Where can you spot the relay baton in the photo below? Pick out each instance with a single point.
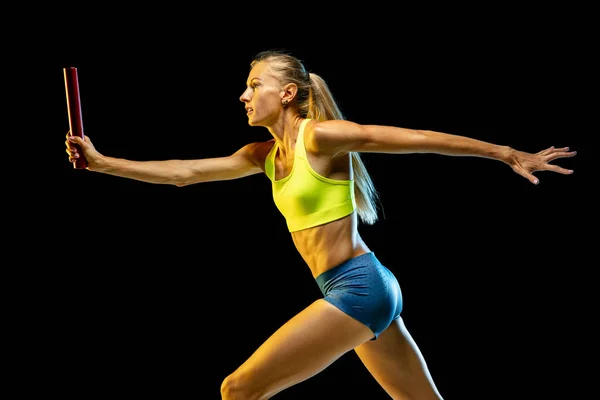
(74, 112)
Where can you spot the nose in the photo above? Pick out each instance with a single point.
(245, 97)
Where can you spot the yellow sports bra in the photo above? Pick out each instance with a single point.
(304, 197)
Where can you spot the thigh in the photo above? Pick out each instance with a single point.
(301, 348)
(364, 289)
(397, 364)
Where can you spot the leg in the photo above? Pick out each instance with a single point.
(397, 364)
(302, 347)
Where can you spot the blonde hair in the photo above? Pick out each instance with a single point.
(314, 100)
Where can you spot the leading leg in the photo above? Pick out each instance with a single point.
(302, 347)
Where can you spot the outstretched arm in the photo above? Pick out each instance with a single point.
(171, 172)
(337, 136)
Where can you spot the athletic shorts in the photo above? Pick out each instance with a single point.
(365, 290)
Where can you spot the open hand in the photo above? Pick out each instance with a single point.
(525, 164)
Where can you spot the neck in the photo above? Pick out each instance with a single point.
(285, 131)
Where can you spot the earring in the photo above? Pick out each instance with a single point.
(284, 103)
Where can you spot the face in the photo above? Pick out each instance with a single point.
(262, 97)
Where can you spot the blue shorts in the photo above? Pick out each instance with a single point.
(365, 290)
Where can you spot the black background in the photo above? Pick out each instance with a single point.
(147, 291)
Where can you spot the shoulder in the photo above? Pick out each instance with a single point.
(331, 135)
(256, 151)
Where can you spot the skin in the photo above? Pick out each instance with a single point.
(320, 334)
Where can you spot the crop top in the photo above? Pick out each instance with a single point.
(305, 198)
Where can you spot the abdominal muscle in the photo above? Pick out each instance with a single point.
(326, 246)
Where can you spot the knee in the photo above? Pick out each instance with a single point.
(236, 387)
(228, 389)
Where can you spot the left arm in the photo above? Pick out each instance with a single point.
(339, 136)
(346, 136)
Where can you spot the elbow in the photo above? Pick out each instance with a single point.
(180, 179)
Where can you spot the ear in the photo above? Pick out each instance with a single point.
(288, 92)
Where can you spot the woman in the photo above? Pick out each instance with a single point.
(323, 190)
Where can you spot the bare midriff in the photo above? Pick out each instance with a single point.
(326, 246)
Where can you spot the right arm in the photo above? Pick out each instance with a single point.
(170, 172)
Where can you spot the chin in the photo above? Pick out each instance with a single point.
(251, 122)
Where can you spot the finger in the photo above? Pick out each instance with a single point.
(527, 175)
(560, 170)
(531, 178)
(74, 139)
(73, 153)
(562, 154)
(560, 149)
(546, 151)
